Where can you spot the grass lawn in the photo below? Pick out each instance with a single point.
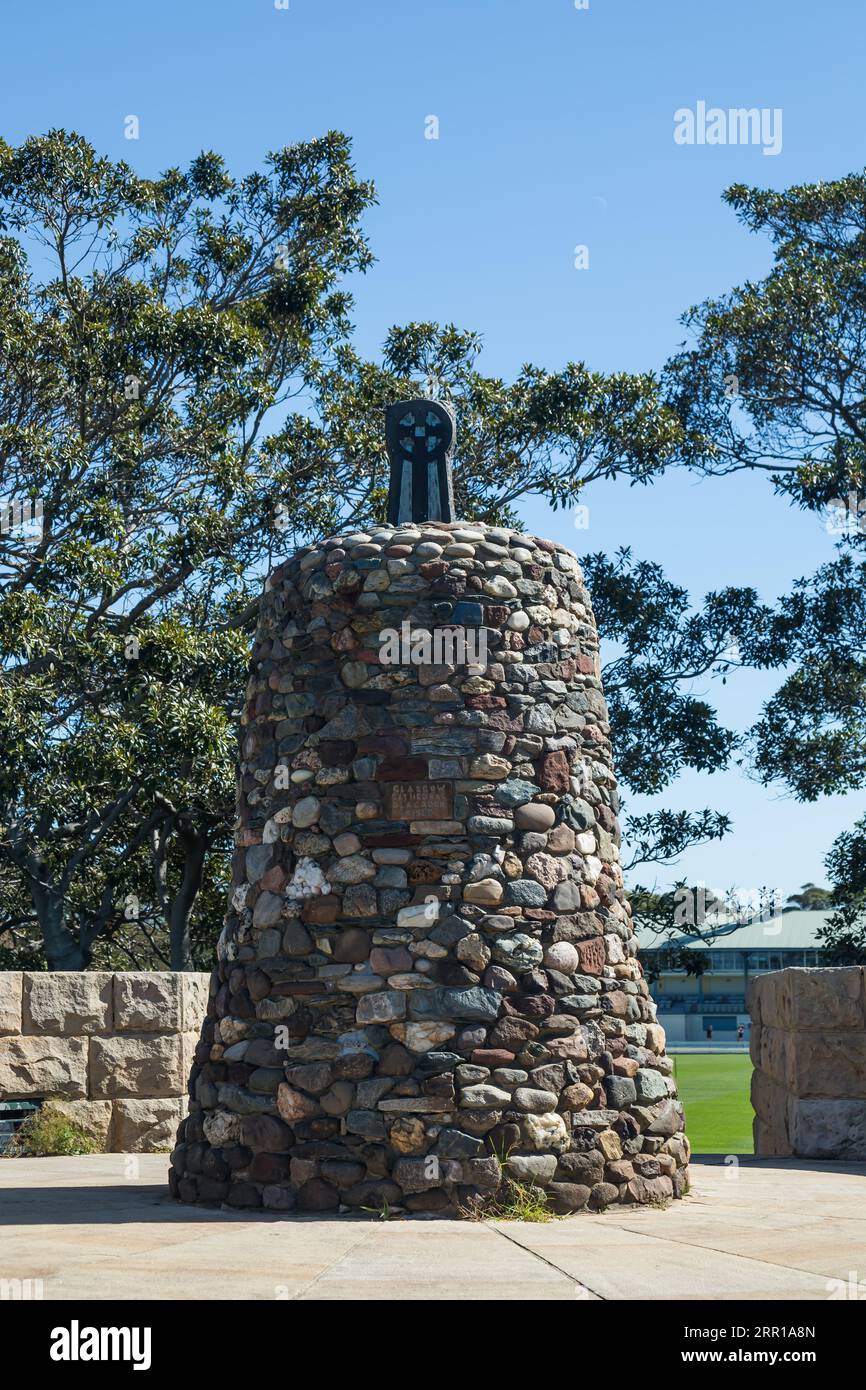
(714, 1088)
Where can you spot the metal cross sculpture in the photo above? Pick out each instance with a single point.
(420, 439)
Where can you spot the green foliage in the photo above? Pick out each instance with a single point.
(777, 378)
(519, 1201)
(810, 898)
(662, 914)
(774, 380)
(147, 330)
(664, 645)
(179, 393)
(661, 645)
(513, 1201)
(48, 1133)
(844, 933)
(550, 433)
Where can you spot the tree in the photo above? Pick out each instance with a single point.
(548, 433)
(774, 380)
(810, 898)
(663, 645)
(844, 932)
(148, 328)
(679, 914)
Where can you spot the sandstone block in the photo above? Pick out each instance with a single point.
(810, 999)
(134, 1066)
(831, 1066)
(834, 1129)
(145, 1126)
(195, 988)
(767, 999)
(91, 1116)
(774, 1054)
(148, 1002)
(11, 999)
(825, 999)
(42, 1066)
(771, 1117)
(755, 997)
(67, 1002)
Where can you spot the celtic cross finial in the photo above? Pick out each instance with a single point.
(420, 436)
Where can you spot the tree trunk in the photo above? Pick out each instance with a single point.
(62, 951)
(195, 847)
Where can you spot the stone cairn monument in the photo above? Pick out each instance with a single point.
(427, 985)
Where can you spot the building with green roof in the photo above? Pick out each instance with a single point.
(689, 1004)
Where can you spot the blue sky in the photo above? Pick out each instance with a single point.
(555, 129)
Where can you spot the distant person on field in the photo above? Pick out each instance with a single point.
(741, 1033)
(710, 1033)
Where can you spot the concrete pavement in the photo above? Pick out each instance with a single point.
(101, 1226)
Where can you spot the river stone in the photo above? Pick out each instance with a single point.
(545, 1132)
(519, 952)
(515, 792)
(483, 1097)
(566, 1197)
(421, 1037)
(258, 861)
(453, 1143)
(460, 1004)
(525, 892)
(535, 1169)
(294, 1106)
(650, 1085)
(534, 815)
(487, 892)
(305, 812)
(562, 956)
(546, 869)
(535, 1102)
(354, 868)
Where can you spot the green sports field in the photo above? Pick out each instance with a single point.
(714, 1088)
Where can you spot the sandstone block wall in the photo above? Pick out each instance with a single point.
(808, 1045)
(112, 1048)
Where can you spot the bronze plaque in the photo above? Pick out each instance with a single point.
(419, 800)
(591, 954)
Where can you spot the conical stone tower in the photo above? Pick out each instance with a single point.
(428, 981)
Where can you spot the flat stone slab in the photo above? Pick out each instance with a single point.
(101, 1226)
